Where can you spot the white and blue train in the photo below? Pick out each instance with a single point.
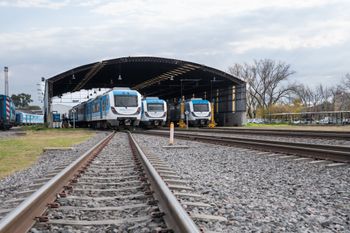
(114, 109)
(23, 118)
(197, 110)
(7, 112)
(154, 112)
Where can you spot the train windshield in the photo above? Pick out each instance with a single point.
(200, 107)
(125, 100)
(154, 107)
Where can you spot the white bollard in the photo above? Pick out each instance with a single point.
(171, 140)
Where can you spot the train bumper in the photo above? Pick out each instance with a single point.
(200, 122)
(153, 123)
(128, 121)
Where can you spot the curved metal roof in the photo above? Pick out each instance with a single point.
(152, 76)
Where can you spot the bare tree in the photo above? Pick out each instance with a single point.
(339, 98)
(303, 93)
(343, 94)
(265, 79)
(346, 81)
(321, 98)
(324, 95)
(244, 72)
(313, 99)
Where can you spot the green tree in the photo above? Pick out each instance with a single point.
(33, 107)
(21, 100)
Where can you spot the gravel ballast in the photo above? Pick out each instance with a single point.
(75, 207)
(293, 139)
(257, 193)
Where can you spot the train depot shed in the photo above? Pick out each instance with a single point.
(166, 78)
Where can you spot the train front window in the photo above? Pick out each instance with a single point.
(153, 107)
(125, 100)
(200, 107)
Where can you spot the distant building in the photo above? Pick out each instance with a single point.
(62, 104)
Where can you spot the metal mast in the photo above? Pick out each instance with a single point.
(6, 69)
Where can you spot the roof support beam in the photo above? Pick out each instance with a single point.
(172, 73)
(94, 70)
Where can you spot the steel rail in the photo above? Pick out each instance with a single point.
(339, 135)
(23, 217)
(328, 152)
(175, 215)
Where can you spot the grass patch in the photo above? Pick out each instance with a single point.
(299, 127)
(18, 153)
(271, 124)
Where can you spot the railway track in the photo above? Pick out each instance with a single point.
(339, 135)
(316, 151)
(112, 187)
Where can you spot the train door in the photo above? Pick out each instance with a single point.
(89, 111)
(103, 106)
(100, 104)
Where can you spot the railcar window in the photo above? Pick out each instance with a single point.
(96, 107)
(125, 101)
(153, 107)
(200, 107)
(103, 105)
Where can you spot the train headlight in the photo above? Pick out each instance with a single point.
(113, 110)
(138, 110)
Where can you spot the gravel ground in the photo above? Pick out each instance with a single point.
(279, 138)
(259, 193)
(49, 160)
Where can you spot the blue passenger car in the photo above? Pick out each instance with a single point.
(116, 108)
(23, 118)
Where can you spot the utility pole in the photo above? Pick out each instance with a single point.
(6, 70)
(41, 90)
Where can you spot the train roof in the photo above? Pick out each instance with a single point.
(198, 101)
(153, 100)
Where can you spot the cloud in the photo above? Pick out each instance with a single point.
(184, 11)
(35, 3)
(312, 35)
(216, 34)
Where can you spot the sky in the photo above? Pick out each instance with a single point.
(42, 38)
